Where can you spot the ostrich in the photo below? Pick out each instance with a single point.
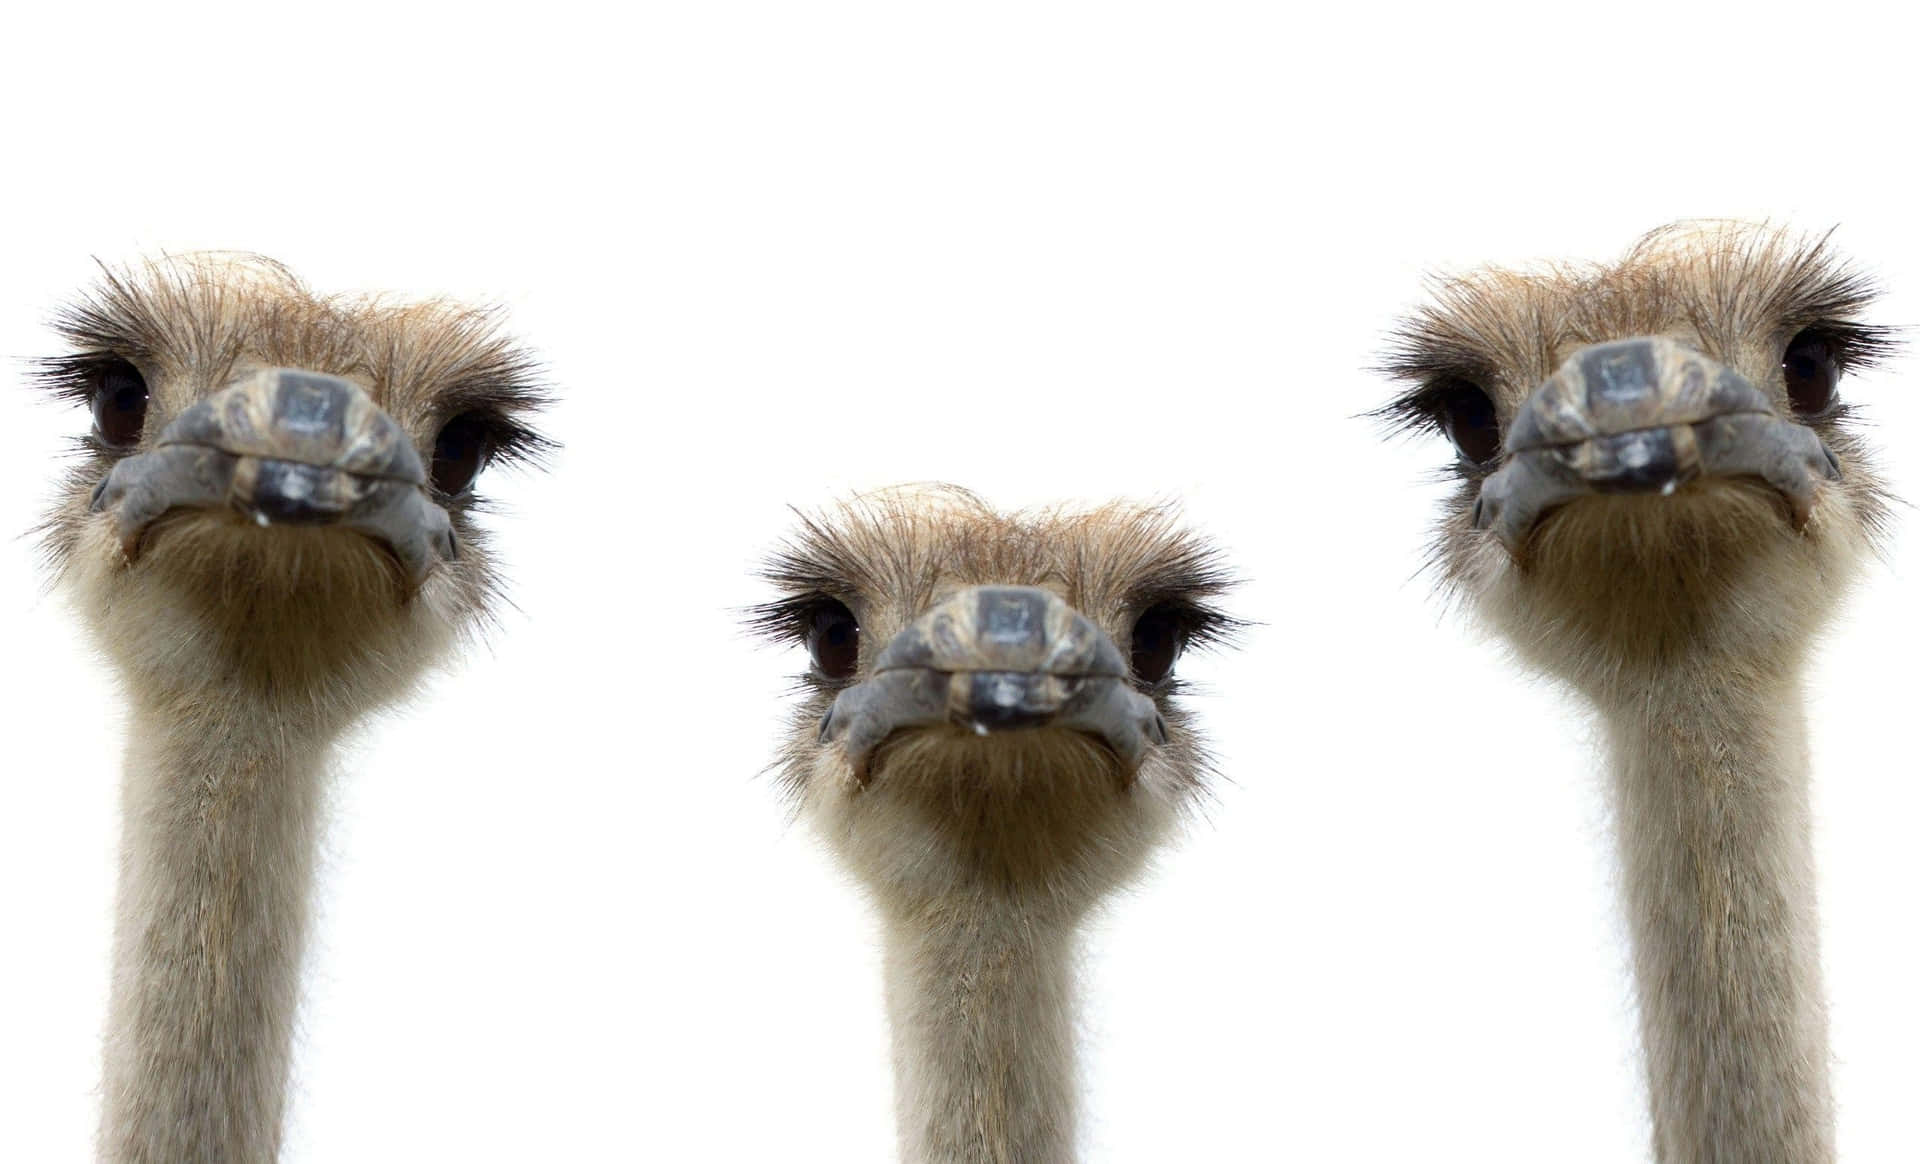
(978, 751)
(1661, 499)
(269, 534)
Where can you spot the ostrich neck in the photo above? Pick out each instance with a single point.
(1711, 779)
(219, 806)
(980, 997)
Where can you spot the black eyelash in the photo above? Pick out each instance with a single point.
(1200, 625)
(1436, 364)
(785, 621)
(495, 398)
(74, 378)
(1856, 346)
(1423, 408)
(508, 441)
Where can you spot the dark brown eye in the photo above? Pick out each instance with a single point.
(1158, 636)
(460, 452)
(1467, 415)
(833, 639)
(120, 405)
(1811, 371)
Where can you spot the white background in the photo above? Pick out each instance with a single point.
(774, 254)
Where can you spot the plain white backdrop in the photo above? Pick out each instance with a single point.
(773, 254)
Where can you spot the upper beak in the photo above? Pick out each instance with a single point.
(1644, 415)
(291, 447)
(996, 658)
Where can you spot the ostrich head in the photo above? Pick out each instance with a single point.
(278, 489)
(992, 705)
(1655, 463)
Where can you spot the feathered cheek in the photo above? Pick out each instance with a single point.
(91, 562)
(451, 596)
(829, 773)
(1170, 775)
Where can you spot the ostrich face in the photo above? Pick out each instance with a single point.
(1654, 463)
(992, 702)
(277, 491)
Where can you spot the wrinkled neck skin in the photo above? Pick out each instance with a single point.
(1710, 785)
(220, 810)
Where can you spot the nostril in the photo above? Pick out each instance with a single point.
(296, 494)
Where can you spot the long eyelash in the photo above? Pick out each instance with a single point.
(784, 621)
(1857, 346)
(514, 443)
(496, 398)
(1436, 366)
(1201, 626)
(1421, 412)
(1421, 409)
(73, 378)
(508, 441)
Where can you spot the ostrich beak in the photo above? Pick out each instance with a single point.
(289, 447)
(1644, 415)
(993, 659)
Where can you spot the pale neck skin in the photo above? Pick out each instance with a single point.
(980, 1002)
(1710, 775)
(220, 812)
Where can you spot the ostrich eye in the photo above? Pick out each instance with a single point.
(120, 405)
(1467, 415)
(1811, 373)
(460, 452)
(1157, 639)
(833, 639)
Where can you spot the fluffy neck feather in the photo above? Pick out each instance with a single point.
(220, 810)
(1710, 775)
(983, 855)
(980, 998)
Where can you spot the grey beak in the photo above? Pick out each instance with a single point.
(993, 659)
(290, 447)
(1644, 415)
